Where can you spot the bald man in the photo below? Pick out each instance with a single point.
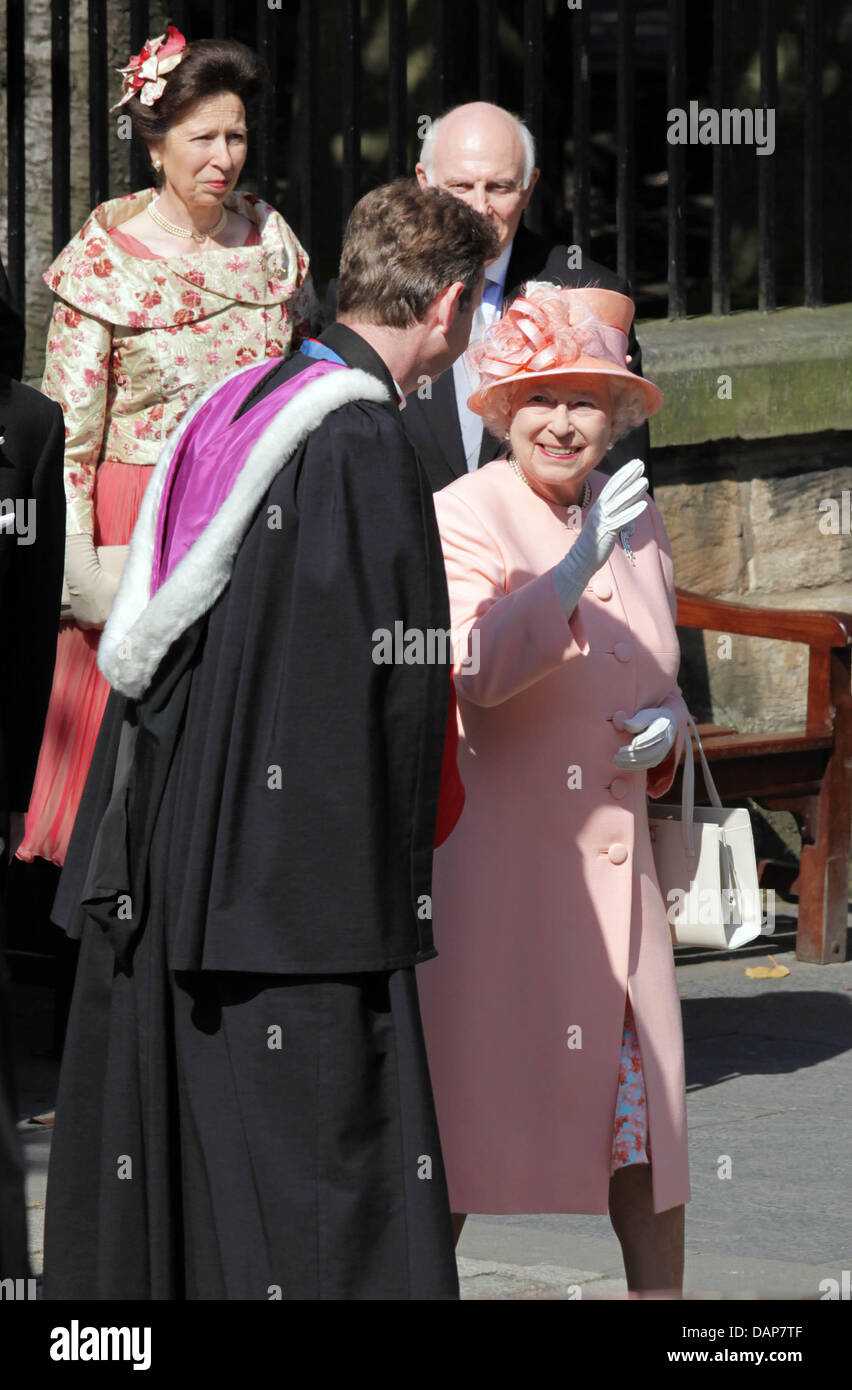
(486, 156)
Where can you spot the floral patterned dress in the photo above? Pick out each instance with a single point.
(133, 341)
(630, 1142)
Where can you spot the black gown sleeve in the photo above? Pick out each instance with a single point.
(67, 912)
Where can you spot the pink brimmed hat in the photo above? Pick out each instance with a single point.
(549, 331)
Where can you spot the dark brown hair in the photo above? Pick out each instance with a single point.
(208, 67)
(405, 244)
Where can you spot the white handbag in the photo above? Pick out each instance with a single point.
(112, 559)
(706, 866)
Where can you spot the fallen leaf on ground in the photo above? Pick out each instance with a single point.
(767, 972)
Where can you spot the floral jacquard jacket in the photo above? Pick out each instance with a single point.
(133, 342)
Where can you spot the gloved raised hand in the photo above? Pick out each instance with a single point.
(92, 590)
(620, 501)
(656, 731)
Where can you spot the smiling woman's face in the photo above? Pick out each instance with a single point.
(560, 430)
(203, 154)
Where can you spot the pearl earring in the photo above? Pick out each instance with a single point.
(158, 164)
(611, 444)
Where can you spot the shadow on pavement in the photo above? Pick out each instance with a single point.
(744, 1035)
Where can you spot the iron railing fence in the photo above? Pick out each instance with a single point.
(691, 227)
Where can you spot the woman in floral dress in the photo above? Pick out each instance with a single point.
(159, 296)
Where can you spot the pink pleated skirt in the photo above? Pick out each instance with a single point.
(79, 693)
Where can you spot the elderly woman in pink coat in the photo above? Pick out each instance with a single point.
(551, 1014)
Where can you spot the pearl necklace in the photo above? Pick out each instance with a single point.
(187, 232)
(516, 468)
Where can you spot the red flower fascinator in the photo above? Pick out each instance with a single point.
(145, 73)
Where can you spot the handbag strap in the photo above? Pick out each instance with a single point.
(710, 785)
(687, 807)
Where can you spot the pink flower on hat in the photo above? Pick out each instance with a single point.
(539, 332)
(144, 75)
(550, 332)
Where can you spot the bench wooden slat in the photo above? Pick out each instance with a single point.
(825, 630)
(761, 745)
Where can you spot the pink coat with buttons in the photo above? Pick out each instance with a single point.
(546, 908)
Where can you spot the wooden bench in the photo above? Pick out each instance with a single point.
(808, 773)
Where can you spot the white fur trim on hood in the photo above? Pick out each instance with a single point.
(140, 629)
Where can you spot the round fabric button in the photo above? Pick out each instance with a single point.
(617, 853)
(618, 787)
(602, 589)
(622, 651)
(618, 720)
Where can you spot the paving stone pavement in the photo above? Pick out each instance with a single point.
(769, 1098)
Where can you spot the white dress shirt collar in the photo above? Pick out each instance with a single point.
(488, 313)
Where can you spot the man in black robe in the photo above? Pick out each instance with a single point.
(244, 1108)
(32, 523)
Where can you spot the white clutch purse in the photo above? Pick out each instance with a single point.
(706, 866)
(111, 558)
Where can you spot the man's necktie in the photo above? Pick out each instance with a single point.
(491, 295)
(465, 381)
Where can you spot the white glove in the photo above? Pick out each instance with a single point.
(620, 502)
(92, 590)
(656, 731)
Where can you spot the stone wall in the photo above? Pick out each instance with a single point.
(755, 433)
(750, 451)
(745, 524)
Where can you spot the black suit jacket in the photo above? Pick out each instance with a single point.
(30, 580)
(433, 425)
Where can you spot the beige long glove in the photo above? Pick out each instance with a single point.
(91, 585)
